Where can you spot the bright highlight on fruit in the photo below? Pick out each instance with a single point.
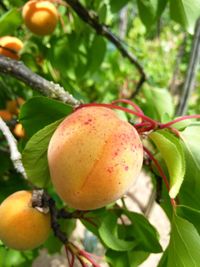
(10, 47)
(19, 130)
(40, 17)
(22, 227)
(94, 158)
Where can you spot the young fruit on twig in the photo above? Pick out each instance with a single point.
(40, 17)
(19, 130)
(94, 157)
(22, 227)
(10, 47)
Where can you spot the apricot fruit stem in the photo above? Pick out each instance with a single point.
(81, 255)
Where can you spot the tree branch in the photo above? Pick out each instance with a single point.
(18, 70)
(90, 18)
(189, 83)
(14, 153)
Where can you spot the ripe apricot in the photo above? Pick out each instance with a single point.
(10, 46)
(94, 157)
(19, 130)
(13, 105)
(40, 17)
(22, 227)
(5, 115)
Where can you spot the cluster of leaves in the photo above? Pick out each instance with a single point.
(92, 69)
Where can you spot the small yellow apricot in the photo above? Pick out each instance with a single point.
(19, 130)
(13, 105)
(40, 17)
(10, 46)
(22, 227)
(5, 115)
(94, 157)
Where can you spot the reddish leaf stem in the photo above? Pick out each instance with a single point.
(161, 172)
(80, 254)
(83, 264)
(88, 256)
(127, 101)
(153, 123)
(187, 117)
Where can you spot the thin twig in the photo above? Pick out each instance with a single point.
(18, 70)
(14, 153)
(91, 18)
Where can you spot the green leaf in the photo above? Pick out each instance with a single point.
(190, 191)
(97, 216)
(10, 21)
(41, 111)
(137, 257)
(97, 51)
(190, 214)
(185, 12)
(144, 233)
(108, 234)
(131, 258)
(147, 11)
(102, 13)
(52, 244)
(117, 259)
(181, 125)
(163, 260)
(159, 103)
(5, 162)
(161, 7)
(62, 54)
(172, 152)
(184, 246)
(117, 5)
(10, 257)
(34, 156)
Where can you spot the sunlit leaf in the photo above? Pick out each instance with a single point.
(190, 191)
(172, 152)
(185, 12)
(10, 21)
(190, 214)
(144, 233)
(108, 234)
(184, 246)
(159, 103)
